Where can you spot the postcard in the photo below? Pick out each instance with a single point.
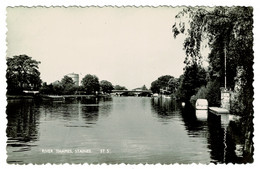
(130, 85)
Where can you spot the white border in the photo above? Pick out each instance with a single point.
(83, 3)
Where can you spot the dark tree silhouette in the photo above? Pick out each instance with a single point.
(22, 74)
(90, 83)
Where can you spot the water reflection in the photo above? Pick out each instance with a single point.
(135, 129)
(164, 108)
(195, 122)
(30, 123)
(65, 110)
(217, 130)
(223, 142)
(106, 108)
(202, 115)
(90, 109)
(22, 126)
(72, 110)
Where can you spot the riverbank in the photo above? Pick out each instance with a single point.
(14, 97)
(44, 97)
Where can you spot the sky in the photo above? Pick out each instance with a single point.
(127, 46)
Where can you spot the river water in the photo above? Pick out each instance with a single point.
(128, 130)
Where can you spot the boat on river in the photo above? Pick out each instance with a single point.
(202, 104)
(53, 98)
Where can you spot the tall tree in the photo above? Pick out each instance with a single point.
(66, 80)
(106, 86)
(173, 84)
(226, 30)
(68, 85)
(160, 83)
(228, 33)
(22, 73)
(90, 84)
(193, 78)
(46, 89)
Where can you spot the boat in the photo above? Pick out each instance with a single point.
(202, 104)
(53, 98)
(155, 95)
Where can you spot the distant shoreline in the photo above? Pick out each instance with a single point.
(24, 97)
(13, 97)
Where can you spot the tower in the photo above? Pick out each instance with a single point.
(75, 78)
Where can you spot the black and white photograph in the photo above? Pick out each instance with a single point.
(129, 85)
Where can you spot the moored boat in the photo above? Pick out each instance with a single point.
(201, 104)
(53, 98)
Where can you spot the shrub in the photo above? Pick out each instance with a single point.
(211, 92)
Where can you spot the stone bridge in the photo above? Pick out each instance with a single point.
(132, 92)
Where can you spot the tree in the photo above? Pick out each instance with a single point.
(68, 85)
(46, 89)
(66, 80)
(228, 33)
(155, 86)
(173, 84)
(58, 89)
(144, 87)
(90, 83)
(160, 83)
(106, 86)
(193, 78)
(22, 74)
(118, 87)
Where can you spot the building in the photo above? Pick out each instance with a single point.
(75, 78)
